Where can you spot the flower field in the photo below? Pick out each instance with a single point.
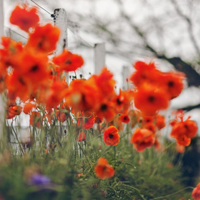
(87, 141)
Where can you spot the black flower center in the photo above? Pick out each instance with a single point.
(34, 68)
(170, 83)
(119, 102)
(111, 136)
(68, 62)
(104, 107)
(151, 99)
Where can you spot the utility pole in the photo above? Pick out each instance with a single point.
(99, 57)
(60, 21)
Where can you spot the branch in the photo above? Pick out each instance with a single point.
(193, 77)
(190, 27)
(188, 108)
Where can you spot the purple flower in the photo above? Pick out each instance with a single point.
(38, 179)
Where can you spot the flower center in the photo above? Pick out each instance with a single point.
(34, 68)
(170, 83)
(111, 136)
(103, 107)
(151, 99)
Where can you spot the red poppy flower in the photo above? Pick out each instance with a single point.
(106, 110)
(147, 119)
(196, 192)
(44, 38)
(183, 140)
(111, 136)
(160, 121)
(17, 87)
(68, 61)
(191, 128)
(33, 67)
(124, 118)
(151, 127)
(122, 101)
(172, 83)
(149, 99)
(28, 107)
(180, 149)
(81, 95)
(105, 84)
(10, 52)
(142, 138)
(87, 120)
(81, 137)
(145, 73)
(103, 169)
(12, 111)
(183, 131)
(53, 98)
(24, 17)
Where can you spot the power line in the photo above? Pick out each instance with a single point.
(79, 37)
(52, 15)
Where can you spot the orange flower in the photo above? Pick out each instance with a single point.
(44, 38)
(151, 127)
(124, 118)
(10, 52)
(68, 61)
(183, 140)
(180, 149)
(122, 101)
(145, 73)
(87, 120)
(150, 99)
(111, 136)
(81, 137)
(191, 128)
(3, 76)
(28, 107)
(12, 111)
(103, 169)
(142, 138)
(172, 83)
(24, 18)
(147, 119)
(33, 67)
(81, 95)
(196, 192)
(105, 84)
(183, 131)
(106, 110)
(17, 87)
(53, 98)
(160, 121)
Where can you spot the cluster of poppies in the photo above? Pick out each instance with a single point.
(29, 74)
(182, 130)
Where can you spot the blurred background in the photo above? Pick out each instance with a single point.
(165, 32)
